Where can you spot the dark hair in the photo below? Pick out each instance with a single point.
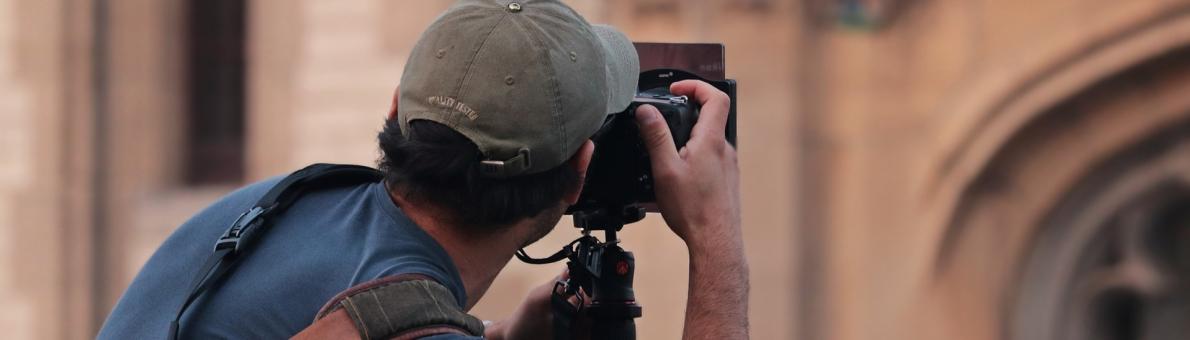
(436, 164)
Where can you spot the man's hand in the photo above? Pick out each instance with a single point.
(697, 191)
(697, 187)
(534, 319)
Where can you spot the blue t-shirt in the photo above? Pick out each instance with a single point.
(328, 241)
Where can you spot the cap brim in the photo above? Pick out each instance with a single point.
(623, 67)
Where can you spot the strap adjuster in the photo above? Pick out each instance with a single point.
(239, 229)
(501, 169)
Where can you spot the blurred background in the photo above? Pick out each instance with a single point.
(912, 169)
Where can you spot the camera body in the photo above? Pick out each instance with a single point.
(619, 182)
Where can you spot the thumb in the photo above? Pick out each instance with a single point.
(656, 136)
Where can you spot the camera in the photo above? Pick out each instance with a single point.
(619, 183)
(619, 190)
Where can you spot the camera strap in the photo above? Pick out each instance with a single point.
(560, 255)
(251, 225)
(563, 311)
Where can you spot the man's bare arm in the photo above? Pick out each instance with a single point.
(717, 304)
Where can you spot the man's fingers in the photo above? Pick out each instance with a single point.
(656, 136)
(712, 118)
(702, 92)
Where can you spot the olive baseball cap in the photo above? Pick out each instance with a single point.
(526, 81)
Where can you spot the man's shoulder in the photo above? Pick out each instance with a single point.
(336, 229)
(154, 294)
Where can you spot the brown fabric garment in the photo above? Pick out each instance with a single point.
(407, 306)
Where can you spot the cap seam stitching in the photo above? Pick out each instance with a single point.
(458, 90)
(554, 91)
(471, 62)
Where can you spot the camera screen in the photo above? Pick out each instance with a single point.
(703, 60)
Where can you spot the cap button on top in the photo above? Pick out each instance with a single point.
(514, 7)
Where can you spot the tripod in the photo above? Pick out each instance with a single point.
(600, 268)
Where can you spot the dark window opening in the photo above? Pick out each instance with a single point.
(1118, 316)
(1169, 240)
(215, 124)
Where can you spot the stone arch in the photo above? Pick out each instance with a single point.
(1021, 152)
(987, 117)
(1110, 261)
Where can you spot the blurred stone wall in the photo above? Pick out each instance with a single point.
(910, 169)
(15, 159)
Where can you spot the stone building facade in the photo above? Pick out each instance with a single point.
(971, 169)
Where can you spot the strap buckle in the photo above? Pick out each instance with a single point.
(564, 312)
(239, 229)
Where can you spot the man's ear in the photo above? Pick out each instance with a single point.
(392, 111)
(579, 163)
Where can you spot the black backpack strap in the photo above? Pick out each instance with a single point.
(404, 306)
(248, 228)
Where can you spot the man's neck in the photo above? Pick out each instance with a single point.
(479, 258)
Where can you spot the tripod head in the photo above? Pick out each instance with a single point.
(601, 269)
